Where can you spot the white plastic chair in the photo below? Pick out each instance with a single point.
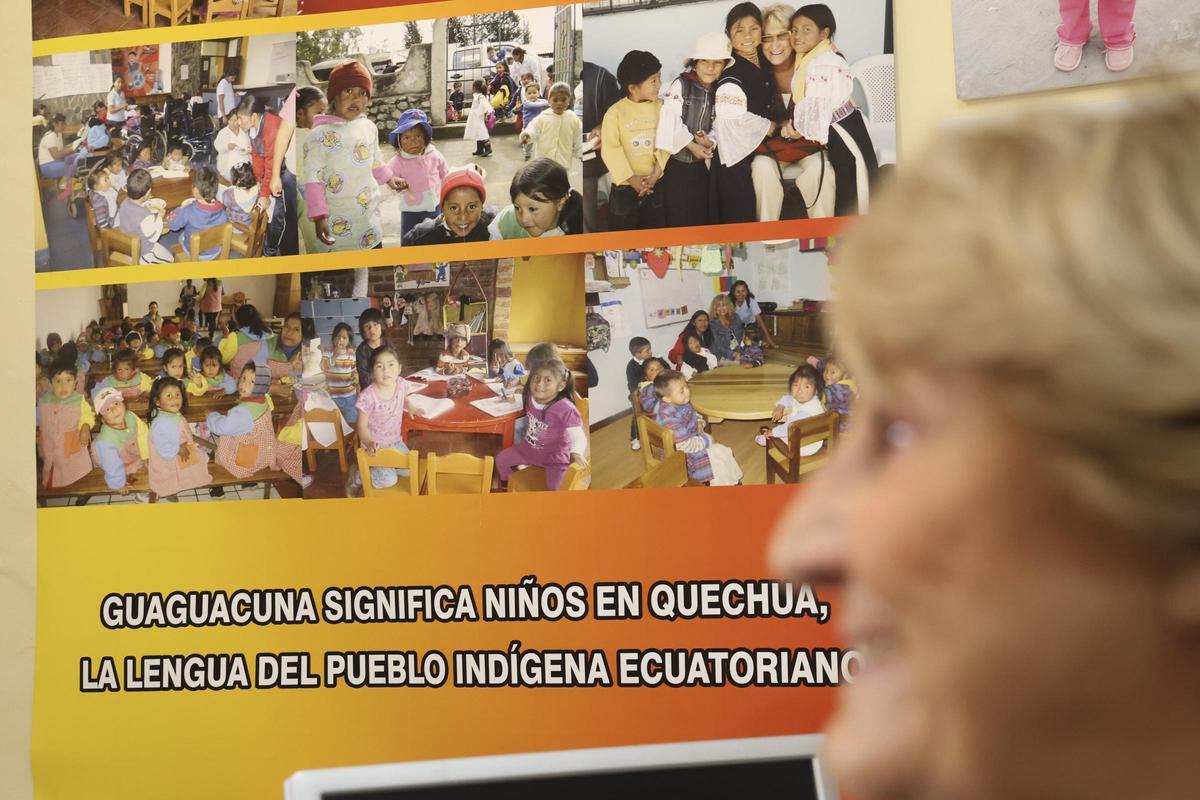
(877, 77)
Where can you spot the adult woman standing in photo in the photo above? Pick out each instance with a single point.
(210, 304)
(270, 135)
(116, 105)
(747, 310)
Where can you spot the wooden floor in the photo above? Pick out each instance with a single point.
(614, 465)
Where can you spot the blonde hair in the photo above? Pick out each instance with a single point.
(780, 14)
(1055, 262)
(719, 300)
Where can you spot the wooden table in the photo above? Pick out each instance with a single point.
(739, 393)
(464, 417)
(171, 190)
(200, 407)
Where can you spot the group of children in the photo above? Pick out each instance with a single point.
(244, 438)
(343, 171)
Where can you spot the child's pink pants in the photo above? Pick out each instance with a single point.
(1116, 22)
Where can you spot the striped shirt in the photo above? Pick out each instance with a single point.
(339, 373)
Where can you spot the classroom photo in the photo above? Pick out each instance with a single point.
(170, 391)
(78, 17)
(460, 378)
(440, 131)
(162, 153)
(713, 366)
(711, 112)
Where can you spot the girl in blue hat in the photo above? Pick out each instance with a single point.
(420, 167)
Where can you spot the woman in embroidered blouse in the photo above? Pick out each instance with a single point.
(824, 111)
(744, 115)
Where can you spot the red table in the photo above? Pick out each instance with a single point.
(464, 417)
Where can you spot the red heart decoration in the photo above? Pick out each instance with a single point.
(659, 262)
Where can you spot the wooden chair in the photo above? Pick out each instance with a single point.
(396, 460)
(94, 240)
(119, 247)
(658, 443)
(216, 236)
(179, 12)
(342, 445)
(142, 4)
(670, 473)
(784, 459)
(459, 474)
(533, 479)
(248, 239)
(216, 7)
(274, 6)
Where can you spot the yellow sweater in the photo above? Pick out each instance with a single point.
(627, 140)
(558, 137)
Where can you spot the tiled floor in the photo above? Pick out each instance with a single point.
(252, 492)
(53, 18)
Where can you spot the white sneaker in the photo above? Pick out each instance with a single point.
(635, 444)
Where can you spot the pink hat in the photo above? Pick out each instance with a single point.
(106, 397)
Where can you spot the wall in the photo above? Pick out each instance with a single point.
(185, 53)
(257, 64)
(76, 107)
(547, 300)
(259, 289)
(65, 312)
(808, 273)
(670, 31)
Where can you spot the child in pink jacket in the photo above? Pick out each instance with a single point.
(1116, 30)
(420, 168)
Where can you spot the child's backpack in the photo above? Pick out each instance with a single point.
(599, 332)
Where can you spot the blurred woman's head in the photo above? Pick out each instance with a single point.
(1015, 521)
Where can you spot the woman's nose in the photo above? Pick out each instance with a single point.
(809, 543)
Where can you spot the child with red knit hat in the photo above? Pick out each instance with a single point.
(464, 217)
(343, 168)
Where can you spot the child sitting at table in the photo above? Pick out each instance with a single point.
(136, 342)
(176, 462)
(64, 421)
(126, 378)
(503, 364)
(241, 196)
(803, 400)
(341, 375)
(380, 423)
(141, 216)
(245, 436)
(174, 365)
(420, 168)
(464, 216)
(750, 353)
(53, 345)
(199, 212)
(453, 360)
(646, 396)
(554, 437)
(41, 384)
(696, 357)
(175, 162)
(707, 461)
(122, 446)
(102, 197)
(144, 159)
(115, 167)
(211, 378)
(841, 390)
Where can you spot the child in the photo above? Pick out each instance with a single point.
(145, 158)
(174, 365)
(646, 396)
(803, 400)
(685, 130)
(136, 343)
(210, 378)
(140, 215)
(696, 357)
(639, 350)
(503, 364)
(1116, 29)
(419, 168)
(627, 146)
(65, 422)
(841, 390)
(241, 196)
(477, 119)
(380, 423)
(457, 101)
(532, 105)
(554, 436)
(126, 378)
(233, 146)
(102, 197)
(464, 216)
(454, 359)
(558, 133)
(341, 374)
(543, 204)
(245, 436)
(115, 167)
(176, 462)
(342, 166)
(122, 446)
(175, 162)
(707, 461)
(53, 345)
(750, 354)
(199, 212)
(370, 328)
(41, 384)
(310, 104)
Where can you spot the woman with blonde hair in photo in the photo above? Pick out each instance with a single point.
(726, 328)
(1014, 528)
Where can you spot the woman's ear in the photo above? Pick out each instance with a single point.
(1181, 598)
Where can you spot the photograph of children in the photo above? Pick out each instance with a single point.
(460, 378)
(392, 154)
(144, 396)
(1006, 47)
(176, 152)
(716, 370)
(743, 113)
(51, 20)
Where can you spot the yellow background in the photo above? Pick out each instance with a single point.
(925, 75)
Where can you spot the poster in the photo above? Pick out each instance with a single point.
(139, 68)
